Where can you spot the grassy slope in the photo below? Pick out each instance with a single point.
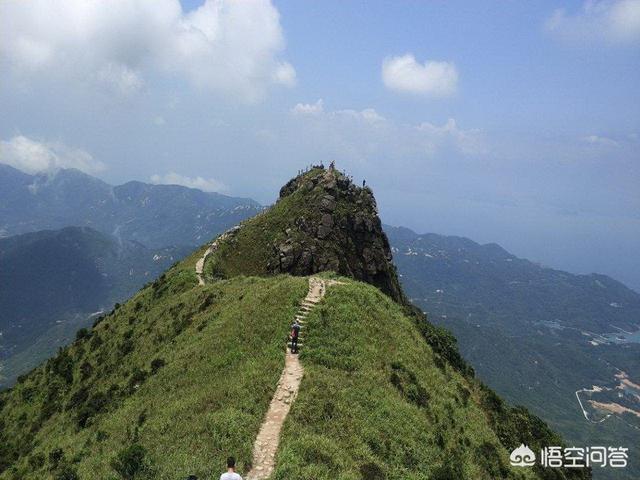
(223, 351)
(222, 345)
(374, 402)
(256, 239)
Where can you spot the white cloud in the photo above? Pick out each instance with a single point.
(364, 135)
(469, 142)
(120, 79)
(601, 141)
(405, 74)
(225, 46)
(317, 109)
(604, 21)
(204, 184)
(368, 115)
(308, 108)
(32, 156)
(285, 74)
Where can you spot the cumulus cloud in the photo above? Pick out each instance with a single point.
(224, 46)
(603, 21)
(405, 74)
(204, 184)
(32, 156)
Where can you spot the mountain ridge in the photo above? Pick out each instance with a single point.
(172, 381)
(150, 214)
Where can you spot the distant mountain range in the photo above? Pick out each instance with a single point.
(52, 277)
(535, 334)
(54, 280)
(154, 215)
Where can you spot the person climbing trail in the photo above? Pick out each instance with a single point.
(266, 443)
(295, 333)
(231, 474)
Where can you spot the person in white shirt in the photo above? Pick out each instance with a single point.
(230, 474)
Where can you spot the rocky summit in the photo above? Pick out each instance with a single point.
(321, 222)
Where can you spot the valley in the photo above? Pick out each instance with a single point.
(541, 337)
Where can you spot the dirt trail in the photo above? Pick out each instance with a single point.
(212, 248)
(266, 444)
(200, 265)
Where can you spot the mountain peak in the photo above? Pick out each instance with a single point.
(321, 222)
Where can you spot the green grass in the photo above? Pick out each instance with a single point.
(223, 349)
(181, 376)
(373, 401)
(252, 248)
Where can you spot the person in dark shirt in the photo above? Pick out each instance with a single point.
(295, 333)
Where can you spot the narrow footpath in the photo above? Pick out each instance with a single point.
(266, 444)
(212, 248)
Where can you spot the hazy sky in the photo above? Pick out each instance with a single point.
(508, 122)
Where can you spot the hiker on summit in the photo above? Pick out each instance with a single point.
(295, 333)
(230, 474)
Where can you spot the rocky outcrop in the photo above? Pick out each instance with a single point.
(338, 230)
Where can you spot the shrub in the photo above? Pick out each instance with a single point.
(489, 457)
(36, 461)
(130, 462)
(126, 346)
(62, 365)
(372, 471)
(93, 406)
(86, 369)
(27, 394)
(55, 457)
(137, 378)
(67, 473)
(157, 364)
(96, 341)
(82, 334)
(51, 402)
(450, 471)
(78, 398)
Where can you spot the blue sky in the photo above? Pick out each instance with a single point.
(508, 122)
